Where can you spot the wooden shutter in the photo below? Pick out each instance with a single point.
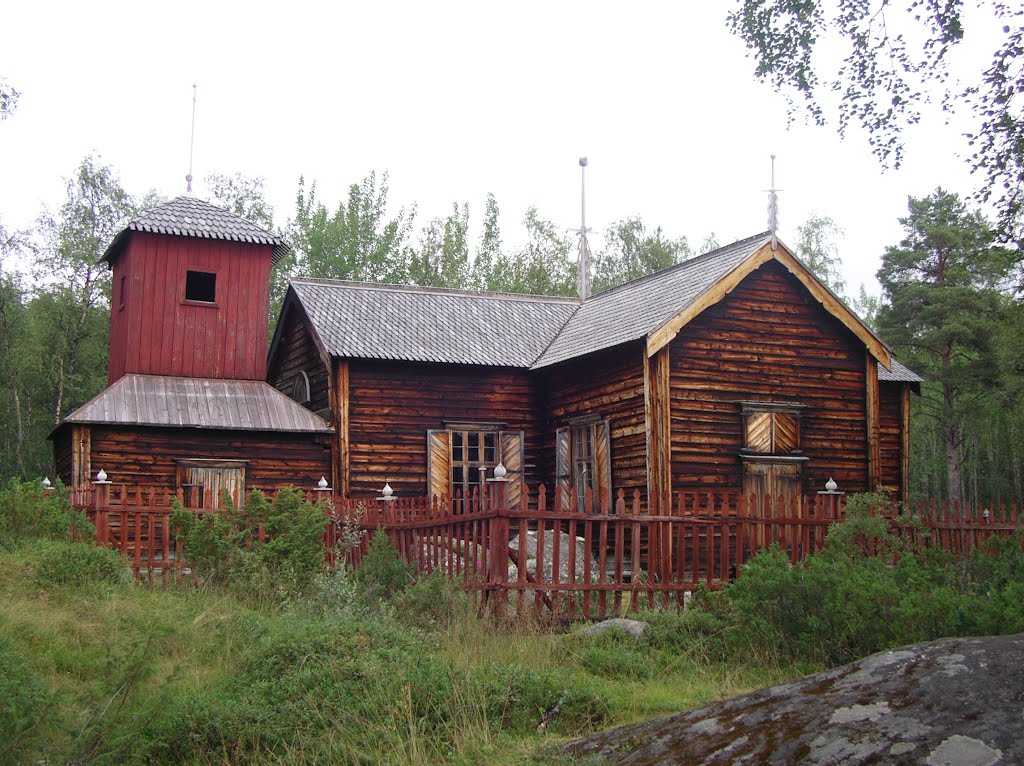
(563, 462)
(759, 432)
(786, 432)
(602, 464)
(511, 457)
(439, 464)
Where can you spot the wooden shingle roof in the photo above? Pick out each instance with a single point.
(158, 400)
(369, 321)
(414, 324)
(191, 217)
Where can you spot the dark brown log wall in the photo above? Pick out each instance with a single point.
(295, 351)
(609, 384)
(769, 340)
(393, 405)
(889, 432)
(146, 457)
(155, 331)
(62, 454)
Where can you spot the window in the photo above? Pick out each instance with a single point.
(583, 460)
(300, 387)
(121, 296)
(460, 459)
(771, 429)
(201, 286)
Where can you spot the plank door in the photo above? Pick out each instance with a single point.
(213, 481)
(770, 490)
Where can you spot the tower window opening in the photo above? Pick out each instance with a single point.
(201, 286)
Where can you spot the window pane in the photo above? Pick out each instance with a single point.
(489, 448)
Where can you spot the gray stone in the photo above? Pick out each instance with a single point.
(957, 701)
(564, 542)
(634, 628)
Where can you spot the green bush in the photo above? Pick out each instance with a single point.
(23, 701)
(225, 549)
(27, 512)
(62, 564)
(433, 601)
(383, 574)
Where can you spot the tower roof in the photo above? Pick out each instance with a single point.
(191, 217)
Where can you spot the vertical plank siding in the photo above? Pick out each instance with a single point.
(767, 341)
(609, 384)
(148, 458)
(391, 406)
(158, 333)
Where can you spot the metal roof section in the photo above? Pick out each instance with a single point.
(210, 403)
(631, 311)
(191, 217)
(415, 324)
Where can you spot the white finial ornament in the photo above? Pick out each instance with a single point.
(322, 484)
(46, 482)
(500, 471)
(101, 476)
(830, 485)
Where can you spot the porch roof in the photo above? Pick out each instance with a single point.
(158, 400)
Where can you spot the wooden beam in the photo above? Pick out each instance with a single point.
(664, 334)
(658, 422)
(340, 411)
(871, 406)
(81, 454)
(905, 442)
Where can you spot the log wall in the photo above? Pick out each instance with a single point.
(770, 341)
(890, 424)
(147, 457)
(391, 407)
(297, 351)
(609, 384)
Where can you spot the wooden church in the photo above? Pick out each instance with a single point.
(734, 371)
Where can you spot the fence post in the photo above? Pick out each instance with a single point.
(497, 552)
(101, 506)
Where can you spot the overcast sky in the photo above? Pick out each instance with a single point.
(454, 100)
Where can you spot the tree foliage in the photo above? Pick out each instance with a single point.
(631, 252)
(944, 305)
(895, 60)
(818, 248)
(8, 98)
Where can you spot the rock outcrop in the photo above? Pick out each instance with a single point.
(956, 701)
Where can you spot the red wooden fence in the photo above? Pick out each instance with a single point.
(592, 561)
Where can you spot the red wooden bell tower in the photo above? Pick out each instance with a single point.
(190, 293)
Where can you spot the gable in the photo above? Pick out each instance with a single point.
(721, 288)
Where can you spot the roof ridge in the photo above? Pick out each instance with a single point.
(421, 289)
(688, 262)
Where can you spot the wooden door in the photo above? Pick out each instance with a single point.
(213, 480)
(770, 491)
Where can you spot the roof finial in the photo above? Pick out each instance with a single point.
(773, 209)
(192, 140)
(584, 254)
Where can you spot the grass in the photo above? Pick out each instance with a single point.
(132, 673)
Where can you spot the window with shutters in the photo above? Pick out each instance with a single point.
(771, 429)
(461, 458)
(583, 460)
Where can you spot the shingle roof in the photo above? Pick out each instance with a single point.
(157, 400)
(365, 321)
(899, 373)
(191, 217)
(633, 310)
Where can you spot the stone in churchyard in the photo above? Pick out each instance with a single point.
(564, 541)
(953, 701)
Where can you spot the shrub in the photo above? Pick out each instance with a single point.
(433, 601)
(383, 574)
(62, 564)
(27, 512)
(23, 701)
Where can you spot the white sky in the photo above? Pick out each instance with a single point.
(455, 100)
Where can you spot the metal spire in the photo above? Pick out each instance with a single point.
(192, 141)
(773, 209)
(584, 282)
